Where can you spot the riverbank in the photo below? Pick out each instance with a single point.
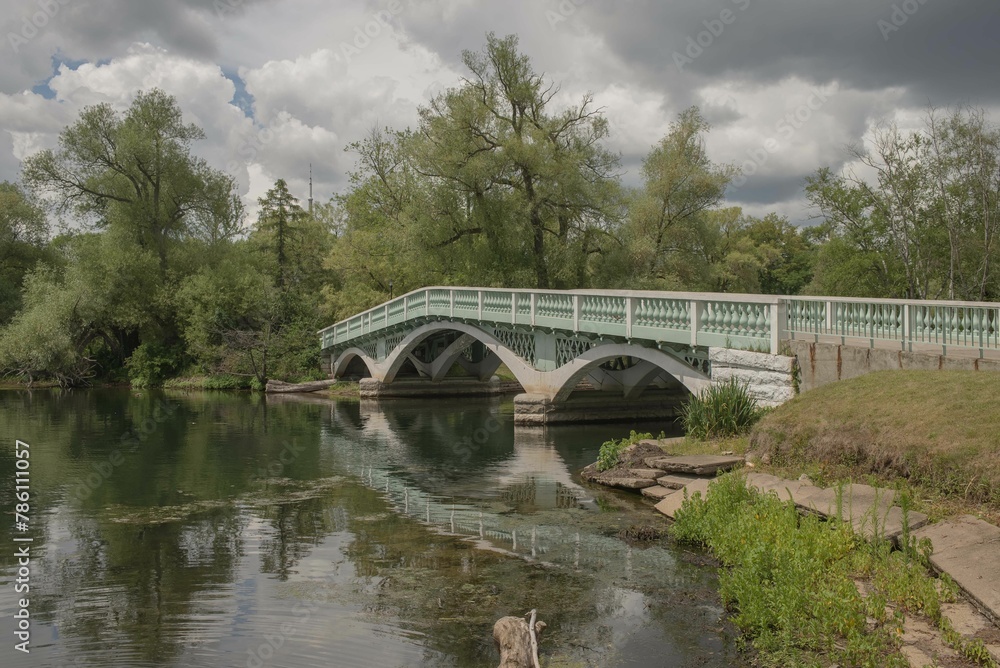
(808, 586)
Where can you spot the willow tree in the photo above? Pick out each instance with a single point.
(528, 181)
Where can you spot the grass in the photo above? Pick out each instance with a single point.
(792, 581)
(933, 433)
(607, 458)
(724, 410)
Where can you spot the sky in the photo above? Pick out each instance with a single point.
(276, 85)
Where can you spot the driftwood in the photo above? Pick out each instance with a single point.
(517, 641)
(281, 387)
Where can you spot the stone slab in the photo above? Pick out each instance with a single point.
(663, 442)
(857, 501)
(649, 474)
(698, 464)
(968, 549)
(657, 492)
(786, 490)
(677, 480)
(625, 483)
(671, 503)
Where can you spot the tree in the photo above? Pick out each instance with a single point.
(923, 219)
(23, 237)
(667, 216)
(135, 172)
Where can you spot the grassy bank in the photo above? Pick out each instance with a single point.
(805, 591)
(935, 433)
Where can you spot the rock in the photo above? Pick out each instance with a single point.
(651, 474)
(697, 464)
(676, 480)
(765, 458)
(805, 479)
(657, 492)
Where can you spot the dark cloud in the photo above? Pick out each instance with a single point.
(940, 51)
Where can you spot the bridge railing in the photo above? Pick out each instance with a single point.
(913, 324)
(702, 319)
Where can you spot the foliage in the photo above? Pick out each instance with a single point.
(150, 364)
(723, 410)
(790, 579)
(607, 458)
(922, 220)
(23, 237)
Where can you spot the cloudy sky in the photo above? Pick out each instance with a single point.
(277, 84)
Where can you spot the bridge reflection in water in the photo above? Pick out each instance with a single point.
(505, 495)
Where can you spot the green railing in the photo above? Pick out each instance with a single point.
(973, 326)
(697, 319)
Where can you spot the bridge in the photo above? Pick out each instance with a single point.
(586, 354)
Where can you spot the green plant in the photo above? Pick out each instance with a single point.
(723, 410)
(150, 364)
(607, 458)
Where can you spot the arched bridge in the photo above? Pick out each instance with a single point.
(641, 351)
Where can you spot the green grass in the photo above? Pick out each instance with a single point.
(934, 432)
(791, 581)
(722, 411)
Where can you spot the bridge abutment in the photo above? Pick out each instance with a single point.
(771, 379)
(596, 406)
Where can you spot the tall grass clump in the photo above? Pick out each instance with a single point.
(722, 411)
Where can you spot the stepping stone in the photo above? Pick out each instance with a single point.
(858, 502)
(968, 549)
(660, 442)
(699, 464)
(787, 490)
(677, 480)
(656, 492)
(626, 483)
(651, 474)
(673, 502)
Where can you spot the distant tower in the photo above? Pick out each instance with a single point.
(310, 188)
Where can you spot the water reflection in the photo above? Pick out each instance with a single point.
(295, 532)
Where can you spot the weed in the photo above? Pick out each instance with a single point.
(723, 410)
(611, 450)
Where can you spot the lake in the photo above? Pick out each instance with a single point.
(201, 529)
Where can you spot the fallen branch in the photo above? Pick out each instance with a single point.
(281, 387)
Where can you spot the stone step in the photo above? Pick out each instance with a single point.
(671, 503)
(787, 490)
(651, 474)
(677, 480)
(657, 492)
(968, 549)
(698, 464)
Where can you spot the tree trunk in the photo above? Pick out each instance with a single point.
(514, 641)
(280, 387)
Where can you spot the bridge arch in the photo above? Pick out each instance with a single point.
(565, 379)
(525, 374)
(344, 360)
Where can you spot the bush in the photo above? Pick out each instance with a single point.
(611, 450)
(721, 411)
(150, 364)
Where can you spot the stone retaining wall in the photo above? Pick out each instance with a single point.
(770, 378)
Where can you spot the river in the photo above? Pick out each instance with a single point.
(201, 529)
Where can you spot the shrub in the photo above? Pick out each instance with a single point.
(721, 411)
(150, 364)
(611, 450)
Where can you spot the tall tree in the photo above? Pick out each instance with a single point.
(23, 238)
(135, 172)
(667, 216)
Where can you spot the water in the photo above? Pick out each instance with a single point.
(294, 532)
